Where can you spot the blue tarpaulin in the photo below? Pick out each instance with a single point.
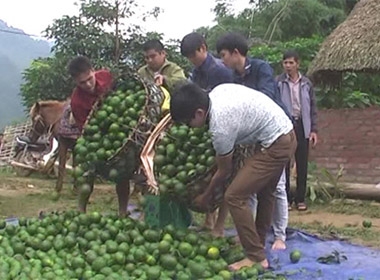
(362, 262)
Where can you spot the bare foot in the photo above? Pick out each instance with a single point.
(247, 263)
(124, 214)
(278, 244)
(217, 233)
(210, 220)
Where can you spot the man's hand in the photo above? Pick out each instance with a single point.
(224, 163)
(159, 79)
(202, 202)
(313, 139)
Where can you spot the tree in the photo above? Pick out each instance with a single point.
(306, 48)
(97, 32)
(226, 21)
(277, 20)
(288, 19)
(46, 78)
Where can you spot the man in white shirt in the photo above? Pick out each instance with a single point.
(238, 115)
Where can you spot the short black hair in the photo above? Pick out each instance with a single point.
(191, 43)
(79, 65)
(153, 44)
(231, 41)
(291, 54)
(186, 99)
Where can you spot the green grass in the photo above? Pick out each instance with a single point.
(5, 171)
(26, 196)
(364, 208)
(351, 232)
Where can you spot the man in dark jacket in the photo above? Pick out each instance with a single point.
(251, 72)
(208, 71)
(298, 96)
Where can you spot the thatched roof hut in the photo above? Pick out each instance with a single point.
(353, 46)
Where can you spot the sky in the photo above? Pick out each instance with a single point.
(178, 18)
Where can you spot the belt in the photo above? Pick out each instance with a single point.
(296, 120)
(259, 148)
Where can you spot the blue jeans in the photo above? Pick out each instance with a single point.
(280, 213)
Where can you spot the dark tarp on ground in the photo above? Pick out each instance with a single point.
(362, 262)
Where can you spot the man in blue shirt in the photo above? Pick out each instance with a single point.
(251, 72)
(256, 74)
(208, 71)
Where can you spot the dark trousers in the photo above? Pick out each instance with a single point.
(301, 160)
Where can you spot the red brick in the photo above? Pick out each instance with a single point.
(331, 165)
(356, 122)
(350, 137)
(361, 162)
(348, 178)
(321, 159)
(340, 160)
(370, 172)
(368, 175)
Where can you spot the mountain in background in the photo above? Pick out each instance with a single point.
(17, 50)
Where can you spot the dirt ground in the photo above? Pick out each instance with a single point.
(331, 224)
(336, 219)
(26, 197)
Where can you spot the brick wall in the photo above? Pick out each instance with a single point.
(350, 137)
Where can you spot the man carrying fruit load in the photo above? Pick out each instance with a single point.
(91, 86)
(254, 120)
(158, 69)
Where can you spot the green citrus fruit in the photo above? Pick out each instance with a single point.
(295, 256)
